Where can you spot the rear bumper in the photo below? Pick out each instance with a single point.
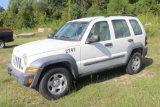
(22, 78)
(10, 40)
(145, 51)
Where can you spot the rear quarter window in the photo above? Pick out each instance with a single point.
(136, 27)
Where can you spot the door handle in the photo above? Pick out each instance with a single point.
(108, 44)
(130, 40)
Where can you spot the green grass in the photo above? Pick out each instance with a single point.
(113, 88)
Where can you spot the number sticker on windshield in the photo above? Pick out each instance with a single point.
(70, 50)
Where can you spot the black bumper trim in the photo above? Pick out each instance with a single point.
(22, 78)
(103, 60)
(145, 51)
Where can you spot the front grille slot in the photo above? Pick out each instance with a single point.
(17, 62)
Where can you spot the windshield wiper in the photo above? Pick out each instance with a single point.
(55, 37)
(64, 37)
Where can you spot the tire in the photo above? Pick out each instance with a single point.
(55, 83)
(134, 64)
(2, 44)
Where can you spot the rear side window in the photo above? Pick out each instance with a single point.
(136, 27)
(120, 28)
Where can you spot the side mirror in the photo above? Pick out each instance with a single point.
(94, 38)
(50, 36)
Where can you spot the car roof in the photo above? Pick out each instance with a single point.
(88, 19)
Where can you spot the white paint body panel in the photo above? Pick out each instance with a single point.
(48, 47)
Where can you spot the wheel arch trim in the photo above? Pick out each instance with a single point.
(45, 61)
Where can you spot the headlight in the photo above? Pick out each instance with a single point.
(25, 58)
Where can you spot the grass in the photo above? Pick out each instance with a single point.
(152, 25)
(113, 88)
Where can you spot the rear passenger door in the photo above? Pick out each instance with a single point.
(122, 41)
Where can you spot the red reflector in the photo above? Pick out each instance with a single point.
(145, 40)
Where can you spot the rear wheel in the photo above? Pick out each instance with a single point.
(134, 64)
(55, 83)
(2, 44)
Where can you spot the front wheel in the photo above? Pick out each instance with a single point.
(55, 83)
(134, 64)
(2, 44)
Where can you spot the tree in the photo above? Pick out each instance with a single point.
(23, 14)
(133, 1)
(146, 6)
(33, 13)
(117, 6)
(1, 9)
(93, 10)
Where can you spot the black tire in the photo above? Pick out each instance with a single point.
(134, 64)
(55, 83)
(2, 44)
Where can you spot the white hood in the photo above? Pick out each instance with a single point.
(43, 46)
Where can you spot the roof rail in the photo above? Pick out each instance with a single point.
(133, 15)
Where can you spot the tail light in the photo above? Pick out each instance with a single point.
(145, 40)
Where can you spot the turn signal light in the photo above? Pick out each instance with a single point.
(29, 69)
(30, 80)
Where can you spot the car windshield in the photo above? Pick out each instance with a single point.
(71, 31)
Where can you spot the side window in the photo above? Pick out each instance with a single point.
(121, 29)
(94, 30)
(136, 27)
(102, 30)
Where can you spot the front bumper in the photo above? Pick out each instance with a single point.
(21, 77)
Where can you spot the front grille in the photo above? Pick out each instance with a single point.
(17, 62)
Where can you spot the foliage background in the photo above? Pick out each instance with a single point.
(31, 14)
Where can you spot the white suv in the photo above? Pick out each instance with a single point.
(80, 47)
